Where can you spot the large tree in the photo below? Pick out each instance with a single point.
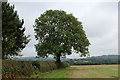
(57, 33)
(14, 39)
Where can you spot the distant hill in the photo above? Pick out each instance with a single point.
(105, 57)
(95, 60)
(39, 59)
(67, 59)
(32, 58)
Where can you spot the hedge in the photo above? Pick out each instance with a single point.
(18, 69)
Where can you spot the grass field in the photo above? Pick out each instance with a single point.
(94, 71)
(86, 71)
(60, 73)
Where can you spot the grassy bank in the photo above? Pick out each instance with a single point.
(59, 73)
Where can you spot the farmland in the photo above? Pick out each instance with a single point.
(85, 71)
(94, 71)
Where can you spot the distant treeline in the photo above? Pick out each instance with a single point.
(20, 69)
(105, 59)
(98, 60)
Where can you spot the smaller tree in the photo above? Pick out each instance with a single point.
(57, 33)
(14, 39)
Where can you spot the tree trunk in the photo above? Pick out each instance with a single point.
(58, 58)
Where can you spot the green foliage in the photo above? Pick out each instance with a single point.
(16, 68)
(13, 36)
(57, 32)
(19, 69)
(62, 65)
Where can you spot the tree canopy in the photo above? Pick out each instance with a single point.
(57, 33)
(13, 37)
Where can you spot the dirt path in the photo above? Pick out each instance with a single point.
(93, 71)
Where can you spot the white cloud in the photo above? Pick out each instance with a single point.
(63, 0)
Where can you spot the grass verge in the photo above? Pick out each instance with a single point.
(59, 73)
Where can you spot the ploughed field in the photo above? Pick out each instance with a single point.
(83, 71)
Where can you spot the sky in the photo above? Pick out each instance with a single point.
(99, 20)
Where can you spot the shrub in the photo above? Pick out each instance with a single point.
(62, 65)
(14, 68)
(17, 69)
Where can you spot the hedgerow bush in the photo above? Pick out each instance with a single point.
(12, 69)
(62, 65)
(17, 69)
